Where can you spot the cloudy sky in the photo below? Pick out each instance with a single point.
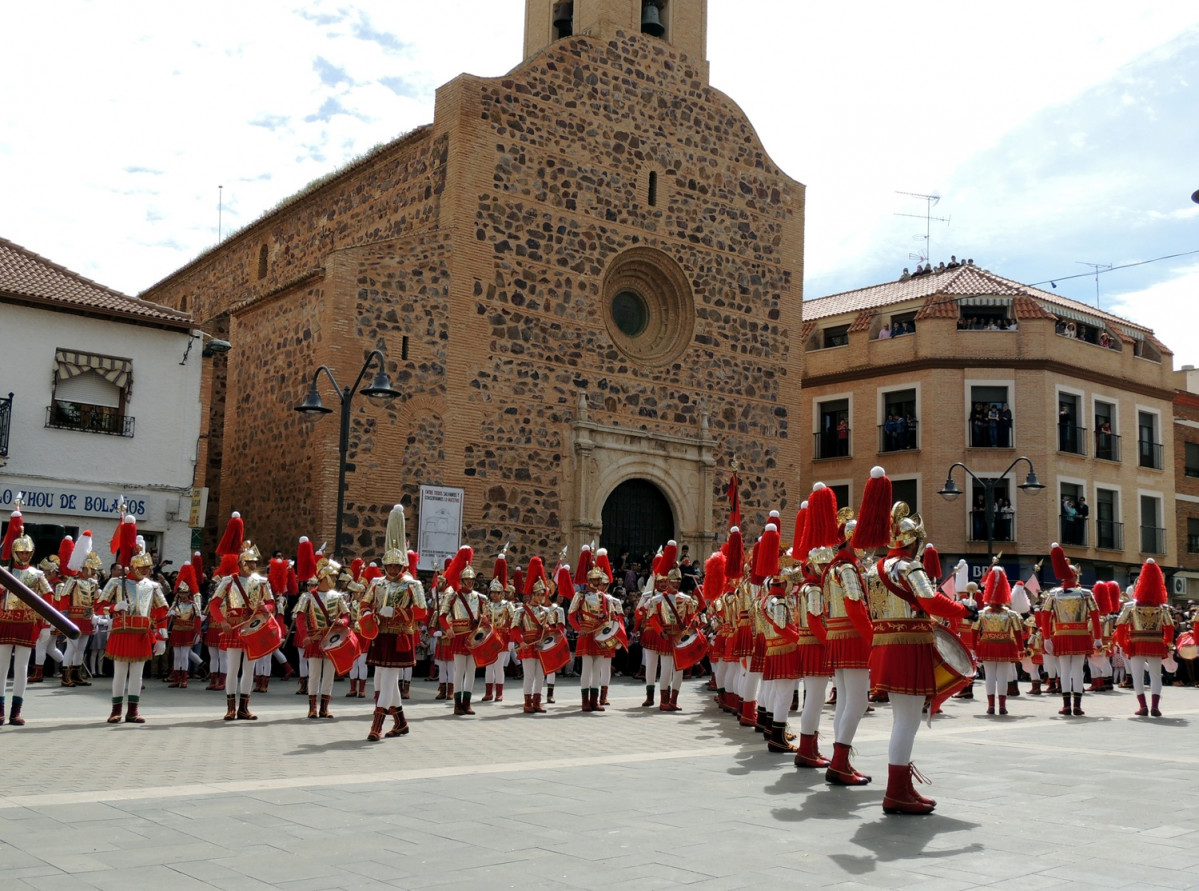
(1057, 134)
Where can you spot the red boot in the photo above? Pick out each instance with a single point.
(499, 692)
(749, 713)
(901, 797)
(1143, 711)
(489, 693)
(1003, 705)
(663, 700)
(537, 704)
(528, 709)
(400, 725)
(376, 731)
(1153, 707)
(595, 700)
(776, 742)
(603, 696)
(990, 703)
(809, 753)
(174, 679)
(840, 772)
(440, 692)
(586, 699)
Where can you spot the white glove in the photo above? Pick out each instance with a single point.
(162, 632)
(436, 634)
(122, 607)
(1098, 644)
(387, 611)
(160, 648)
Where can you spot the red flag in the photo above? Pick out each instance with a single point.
(734, 494)
(1032, 585)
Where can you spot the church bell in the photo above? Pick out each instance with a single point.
(651, 21)
(564, 19)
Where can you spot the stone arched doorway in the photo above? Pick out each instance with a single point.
(637, 519)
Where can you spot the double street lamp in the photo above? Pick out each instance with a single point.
(380, 391)
(950, 492)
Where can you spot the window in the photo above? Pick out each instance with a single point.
(836, 336)
(649, 309)
(1109, 532)
(1003, 518)
(1149, 447)
(833, 435)
(563, 20)
(90, 393)
(5, 419)
(985, 318)
(1192, 535)
(1153, 536)
(653, 188)
(903, 323)
(262, 262)
(1107, 443)
(990, 418)
(1071, 435)
(898, 432)
(842, 494)
(1073, 515)
(907, 491)
(1192, 459)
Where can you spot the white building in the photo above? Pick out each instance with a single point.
(99, 398)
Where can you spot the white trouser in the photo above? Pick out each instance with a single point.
(387, 684)
(19, 657)
(239, 662)
(262, 667)
(76, 649)
(589, 675)
(605, 671)
(777, 696)
(127, 679)
(997, 676)
(360, 671)
(494, 673)
(46, 644)
(651, 665)
(464, 673)
(179, 660)
(813, 702)
(1051, 666)
(534, 676)
(218, 660)
(905, 710)
(406, 674)
(321, 672)
(853, 690)
(672, 679)
(1071, 671)
(1138, 666)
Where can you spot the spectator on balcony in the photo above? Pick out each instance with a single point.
(993, 425)
(842, 437)
(978, 426)
(1082, 511)
(911, 428)
(1069, 520)
(1004, 514)
(901, 432)
(1103, 442)
(885, 332)
(1005, 427)
(978, 519)
(890, 432)
(1065, 429)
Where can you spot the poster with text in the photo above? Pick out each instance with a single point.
(440, 524)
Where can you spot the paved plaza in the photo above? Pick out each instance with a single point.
(631, 797)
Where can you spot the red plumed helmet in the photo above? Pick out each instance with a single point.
(873, 529)
(536, 574)
(371, 573)
(801, 522)
(518, 580)
(1151, 585)
(197, 563)
(235, 533)
(754, 577)
(669, 560)
(931, 560)
(564, 583)
(65, 547)
(1061, 566)
(293, 583)
(1111, 596)
(187, 576)
(822, 529)
(998, 590)
(413, 561)
(714, 577)
(734, 554)
(16, 525)
(305, 560)
(126, 540)
(461, 560)
(601, 560)
(584, 566)
(767, 561)
(276, 574)
(500, 571)
(356, 568)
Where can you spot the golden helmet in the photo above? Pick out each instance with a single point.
(93, 561)
(142, 561)
(24, 544)
(468, 572)
(395, 556)
(906, 527)
(326, 568)
(50, 564)
(249, 552)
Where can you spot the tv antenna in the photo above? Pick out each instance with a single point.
(1098, 268)
(927, 216)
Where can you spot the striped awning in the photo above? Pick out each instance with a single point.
(72, 363)
(1081, 317)
(985, 301)
(1131, 332)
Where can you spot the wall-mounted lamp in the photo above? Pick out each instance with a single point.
(213, 346)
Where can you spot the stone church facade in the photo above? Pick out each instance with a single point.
(586, 278)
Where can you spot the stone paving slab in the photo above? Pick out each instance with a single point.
(573, 800)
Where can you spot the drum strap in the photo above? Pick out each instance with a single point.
(474, 620)
(670, 604)
(902, 593)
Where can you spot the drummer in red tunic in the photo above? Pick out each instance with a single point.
(1145, 629)
(590, 611)
(669, 613)
(139, 621)
(530, 626)
(999, 634)
(904, 654)
(184, 620)
(814, 669)
(1070, 617)
(499, 616)
(463, 610)
(316, 614)
(397, 599)
(18, 622)
(76, 596)
(601, 576)
(652, 644)
(780, 669)
(240, 595)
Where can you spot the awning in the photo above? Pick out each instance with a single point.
(985, 301)
(72, 363)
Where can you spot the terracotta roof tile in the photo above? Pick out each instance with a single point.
(27, 277)
(862, 322)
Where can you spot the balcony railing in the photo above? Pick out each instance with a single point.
(833, 443)
(1153, 540)
(1073, 531)
(1109, 535)
(1107, 446)
(5, 419)
(984, 435)
(1149, 455)
(1072, 439)
(89, 418)
(898, 438)
(1005, 527)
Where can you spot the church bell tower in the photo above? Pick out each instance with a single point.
(681, 23)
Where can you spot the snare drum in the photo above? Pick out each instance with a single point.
(553, 652)
(340, 646)
(690, 649)
(1187, 649)
(485, 646)
(260, 636)
(608, 635)
(953, 667)
(368, 626)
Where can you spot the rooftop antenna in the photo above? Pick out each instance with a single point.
(927, 216)
(220, 206)
(1098, 267)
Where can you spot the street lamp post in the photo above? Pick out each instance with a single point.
(380, 390)
(950, 492)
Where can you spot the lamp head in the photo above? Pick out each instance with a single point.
(312, 404)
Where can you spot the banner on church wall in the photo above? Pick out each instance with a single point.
(440, 525)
